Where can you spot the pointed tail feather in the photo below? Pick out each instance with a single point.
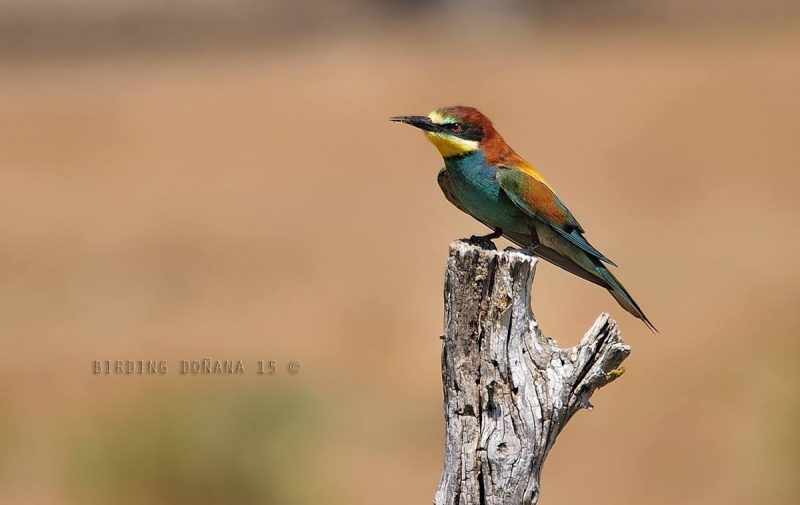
(622, 297)
(600, 275)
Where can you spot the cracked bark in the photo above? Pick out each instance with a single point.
(508, 389)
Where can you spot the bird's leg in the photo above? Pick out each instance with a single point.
(497, 233)
(485, 241)
(531, 248)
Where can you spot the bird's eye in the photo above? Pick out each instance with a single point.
(457, 128)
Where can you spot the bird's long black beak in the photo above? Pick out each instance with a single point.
(421, 122)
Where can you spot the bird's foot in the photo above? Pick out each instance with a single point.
(530, 250)
(485, 241)
(482, 242)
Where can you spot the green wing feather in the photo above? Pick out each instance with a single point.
(538, 201)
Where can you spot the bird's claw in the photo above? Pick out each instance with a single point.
(530, 250)
(481, 241)
(485, 241)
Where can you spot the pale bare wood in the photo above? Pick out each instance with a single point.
(508, 389)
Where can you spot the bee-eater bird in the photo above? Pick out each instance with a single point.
(485, 178)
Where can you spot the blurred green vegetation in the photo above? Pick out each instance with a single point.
(252, 446)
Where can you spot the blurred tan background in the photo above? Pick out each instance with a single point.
(219, 179)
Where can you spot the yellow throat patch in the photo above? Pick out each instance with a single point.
(448, 145)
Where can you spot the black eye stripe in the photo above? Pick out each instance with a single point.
(463, 130)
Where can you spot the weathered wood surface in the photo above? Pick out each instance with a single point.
(508, 389)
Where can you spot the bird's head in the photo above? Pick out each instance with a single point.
(454, 130)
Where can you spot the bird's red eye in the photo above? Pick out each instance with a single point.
(457, 127)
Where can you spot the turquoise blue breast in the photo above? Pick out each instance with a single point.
(474, 183)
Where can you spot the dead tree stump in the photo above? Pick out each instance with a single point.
(508, 389)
